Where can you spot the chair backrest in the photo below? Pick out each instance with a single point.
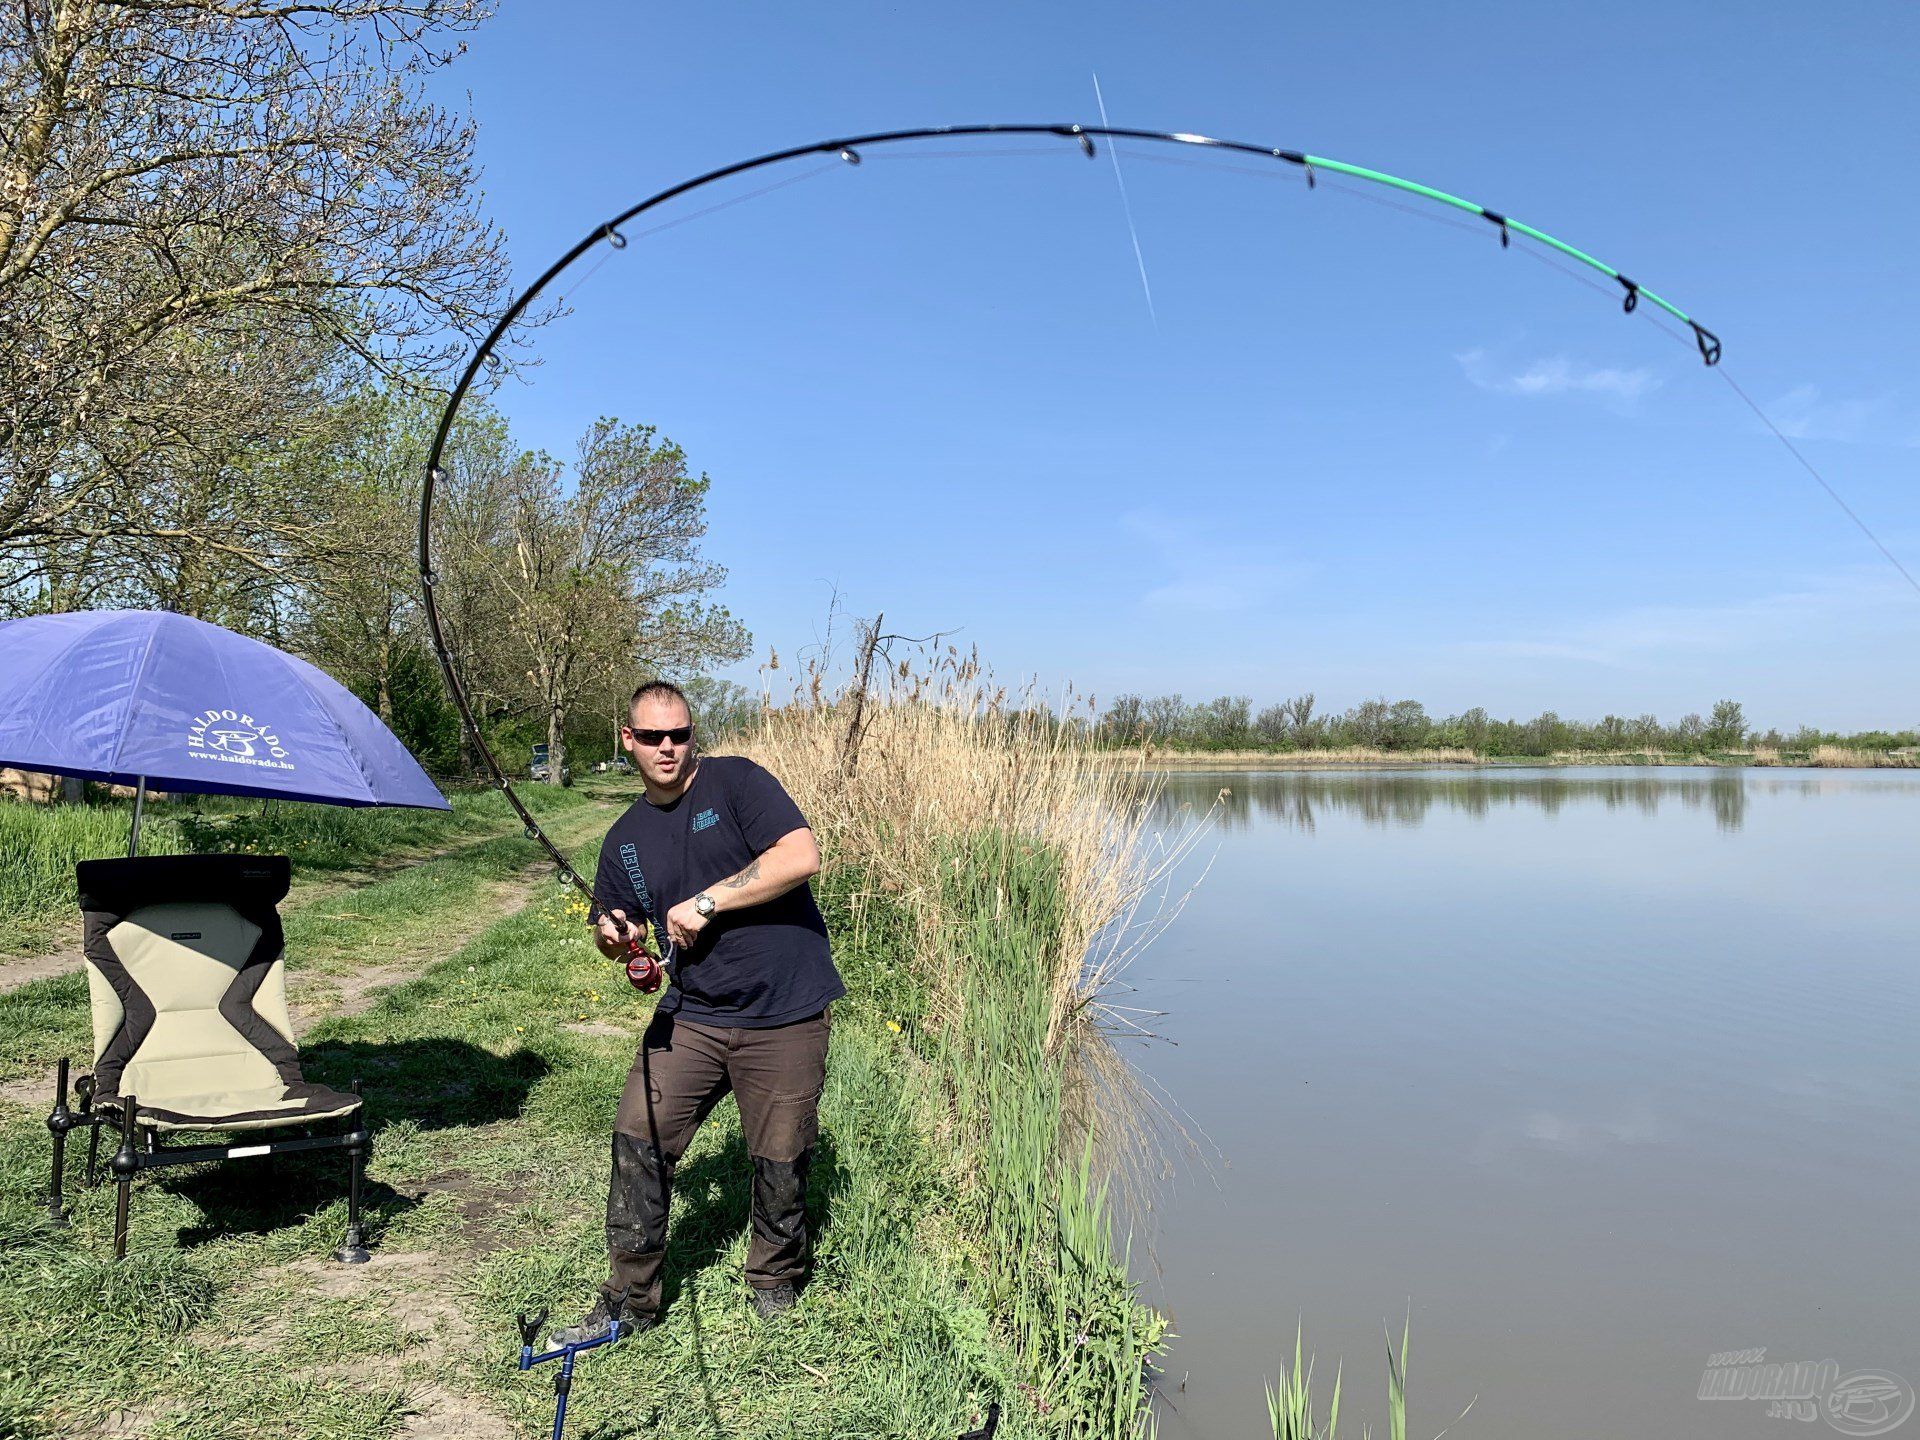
(186, 974)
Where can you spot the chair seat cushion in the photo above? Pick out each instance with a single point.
(263, 1109)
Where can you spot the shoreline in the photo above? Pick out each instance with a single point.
(1179, 763)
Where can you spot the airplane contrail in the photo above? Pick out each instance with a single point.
(1126, 205)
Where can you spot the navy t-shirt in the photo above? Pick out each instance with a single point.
(766, 965)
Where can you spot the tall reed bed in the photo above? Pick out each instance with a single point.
(1017, 856)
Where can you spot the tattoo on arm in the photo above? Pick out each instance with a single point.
(744, 878)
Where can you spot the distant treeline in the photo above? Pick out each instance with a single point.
(1231, 722)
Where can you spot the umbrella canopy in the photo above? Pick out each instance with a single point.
(132, 695)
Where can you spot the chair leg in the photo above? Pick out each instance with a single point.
(93, 1156)
(59, 1122)
(353, 1249)
(125, 1165)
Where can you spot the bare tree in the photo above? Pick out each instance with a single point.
(1166, 719)
(1299, 716)
(1125, 719)
(208, 209)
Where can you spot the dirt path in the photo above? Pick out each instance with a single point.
(15, 973)
(313, 997)
(19, 970)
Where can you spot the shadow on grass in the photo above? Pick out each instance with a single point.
(436, 1084)
(714, 1196)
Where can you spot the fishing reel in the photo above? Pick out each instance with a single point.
(644, 972)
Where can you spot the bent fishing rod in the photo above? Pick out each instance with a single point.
(848, 149)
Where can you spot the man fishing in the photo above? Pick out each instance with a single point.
(716, 857)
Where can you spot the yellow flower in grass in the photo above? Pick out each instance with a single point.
(894, 1026)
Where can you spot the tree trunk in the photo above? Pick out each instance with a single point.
(556, 742)
(384, 690)
(857, 724)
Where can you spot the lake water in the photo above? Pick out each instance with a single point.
(1601, 1072)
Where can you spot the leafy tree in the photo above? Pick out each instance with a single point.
(1727, 726)
(602, 573)
(1225, 722)
(1407, 725)
(722, 707)
(213, 211)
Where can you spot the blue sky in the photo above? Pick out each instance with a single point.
(1348, 450)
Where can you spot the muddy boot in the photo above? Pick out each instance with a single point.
(780, 1254)
(596, 1320)
(774, 1300)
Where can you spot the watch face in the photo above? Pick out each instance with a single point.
(704, 904)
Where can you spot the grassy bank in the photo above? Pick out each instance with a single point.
(1004, 861)
(965, 1251)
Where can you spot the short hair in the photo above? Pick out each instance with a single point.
(659, 690)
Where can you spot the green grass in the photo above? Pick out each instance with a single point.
(1290, 1404)
(41, 844)
(487, 1186)
(1054, 1280)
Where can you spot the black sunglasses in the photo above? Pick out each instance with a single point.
(679, 735)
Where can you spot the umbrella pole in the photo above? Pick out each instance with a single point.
(139, 804)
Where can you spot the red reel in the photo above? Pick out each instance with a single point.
(643, 971)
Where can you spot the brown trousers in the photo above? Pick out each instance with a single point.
(682, 1071)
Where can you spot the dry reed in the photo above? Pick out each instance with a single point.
(1021, 856)
(944, 753)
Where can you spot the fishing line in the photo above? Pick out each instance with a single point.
(1555, 263)
(1126, 205)
(615, 248)
(1807, 465)
(1025, 152)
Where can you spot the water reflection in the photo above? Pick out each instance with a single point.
(1545, 1057)
(1404, 797)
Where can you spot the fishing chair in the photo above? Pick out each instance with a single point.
(190, 1031)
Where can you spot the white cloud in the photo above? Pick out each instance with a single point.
(1807, 413)
(1200, 570)
(1558, 375)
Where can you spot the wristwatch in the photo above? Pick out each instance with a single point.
(703, 902)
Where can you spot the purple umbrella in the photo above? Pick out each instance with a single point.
(138, 696)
